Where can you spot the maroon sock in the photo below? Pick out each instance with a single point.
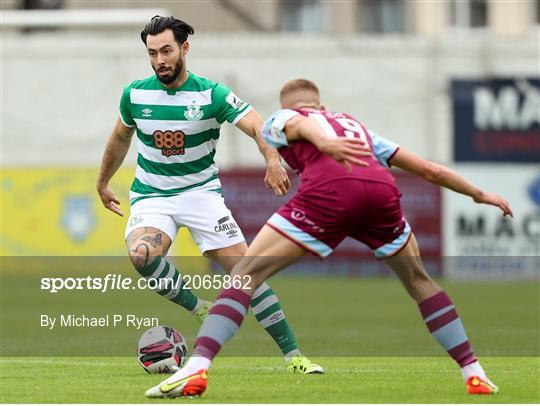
(444, 324)
(222, 322)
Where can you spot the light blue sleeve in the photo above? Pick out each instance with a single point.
(272, 130)
(383, 149)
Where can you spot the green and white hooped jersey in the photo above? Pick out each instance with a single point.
(177, 133)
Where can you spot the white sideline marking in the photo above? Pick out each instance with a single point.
(65, 362)
(265, 368)
(353, 369)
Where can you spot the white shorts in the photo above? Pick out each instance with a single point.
(203, 212)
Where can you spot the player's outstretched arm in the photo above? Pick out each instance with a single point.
(276, 176)
(443, 176)
(344, 150)
(115, 152)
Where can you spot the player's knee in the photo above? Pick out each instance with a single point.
(141, 254)
(415, 279)
(239, 270)
(248, 272)
(419, 283)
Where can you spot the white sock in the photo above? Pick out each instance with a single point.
(474, 369)
(195, 364)
(197, 306)
(291, 354)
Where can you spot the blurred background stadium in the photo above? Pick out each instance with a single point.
(455, 81)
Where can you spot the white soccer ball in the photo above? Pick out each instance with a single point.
(160, 349)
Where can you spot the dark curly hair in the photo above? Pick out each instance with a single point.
(158, 24)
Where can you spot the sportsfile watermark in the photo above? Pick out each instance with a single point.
(100, 306)
(111, 282)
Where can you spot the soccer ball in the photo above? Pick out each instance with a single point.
(160, 349)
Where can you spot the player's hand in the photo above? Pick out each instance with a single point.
(346, 151)
(276, 178)
(109, 200)
(495, 200)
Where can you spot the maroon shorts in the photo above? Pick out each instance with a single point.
(319, 217)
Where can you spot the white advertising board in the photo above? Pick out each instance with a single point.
(478, 241)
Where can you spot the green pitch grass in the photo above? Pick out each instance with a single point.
(266, 380)
(367, 333)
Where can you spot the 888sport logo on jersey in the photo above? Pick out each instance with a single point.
(170, 142)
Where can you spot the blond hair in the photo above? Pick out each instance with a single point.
(298, 84)
(299, 93)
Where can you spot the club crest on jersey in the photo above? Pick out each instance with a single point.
(193, 112)
(234, 101)
(147, 112)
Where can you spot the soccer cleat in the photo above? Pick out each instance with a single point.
(302, 365)
(479, 386)
(176, 386)
(201, 314)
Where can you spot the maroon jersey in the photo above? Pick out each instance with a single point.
(333, 203)
(315, 166)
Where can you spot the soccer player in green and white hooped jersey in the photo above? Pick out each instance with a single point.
(177, 116)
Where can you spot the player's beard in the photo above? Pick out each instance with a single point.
(171, 77)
